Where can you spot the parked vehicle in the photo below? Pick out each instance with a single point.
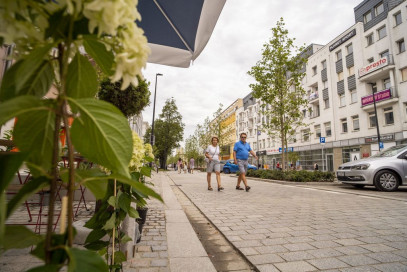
(222, 163)
(386, 170)
(231, 167)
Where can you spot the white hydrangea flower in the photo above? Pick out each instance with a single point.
(138, 153)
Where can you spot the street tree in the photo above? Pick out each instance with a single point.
(168, 131)
(193, 150)
(278, 78)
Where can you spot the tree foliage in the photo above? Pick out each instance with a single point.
(168, 131)
(131, 101)
(278, 78)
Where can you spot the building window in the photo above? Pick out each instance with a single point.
(382, 32)
(305, 135)
(273, 141)
(328, 132)
(351, 71)
(386, 83)
(268, 142)
(369, 39)
(397, 18)
(404, 74)
(371, 60)
(388, 116)
(344, 125)
(372, 119)
(384, 54)
(367, 17)
(349, 49)
(401, 46)
(379, 9)
(314, 70)
(338, 55)
(323, 64)
(317, 131)
(353, 97)
(340, 76)
(326, 103)
(342, 100)
(355, 122)
(325, 84)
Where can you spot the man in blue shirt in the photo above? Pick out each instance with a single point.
(241, 155)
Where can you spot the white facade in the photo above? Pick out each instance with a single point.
(339, 83)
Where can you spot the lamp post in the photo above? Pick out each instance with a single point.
(152, 124)
(375, 114)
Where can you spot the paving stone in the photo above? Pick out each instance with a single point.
(265, 259)
(391, 267)
(324, 244)
(159, 262)
(325, 252)
(378, 247)
(271, 249)
(358, 260)
(247, 251)
(386, 257)
(350, 250)
(299, 266)
(360, 269)
(296, 256)
(298, 246)
(327, 263)
(267, 268)
(349, 242)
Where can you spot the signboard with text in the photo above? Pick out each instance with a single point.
(290, 149)
(373, 66)
(384, 138)
(342, 40)
(379, 96)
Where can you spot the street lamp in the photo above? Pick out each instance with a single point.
(375, 114)
(152, 124)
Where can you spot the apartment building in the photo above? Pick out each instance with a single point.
(341, 77)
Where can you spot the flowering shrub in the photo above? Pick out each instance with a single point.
(138, 153)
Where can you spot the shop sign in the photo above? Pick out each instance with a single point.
(383, 138)
(271, 151)
(290, 149)
(261, 153)
(342, 40)
(373, 66)
(365, 155)
(382, 95)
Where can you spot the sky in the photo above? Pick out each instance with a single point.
(219, 74)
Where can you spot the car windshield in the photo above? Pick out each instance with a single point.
(390, 152)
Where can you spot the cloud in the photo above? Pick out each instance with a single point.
(219, 74)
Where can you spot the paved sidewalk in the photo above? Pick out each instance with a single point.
(295, 228)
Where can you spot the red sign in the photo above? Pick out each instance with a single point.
(382, 95)
(373, 66)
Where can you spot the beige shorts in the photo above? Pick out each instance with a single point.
(213, 166)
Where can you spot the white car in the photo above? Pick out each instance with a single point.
(386, 170)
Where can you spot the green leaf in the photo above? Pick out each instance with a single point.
(58, 25)
(111, 223)
(112, 201)
(102, 134)
(18, 106)
(99, 53)
(8, 83)
(93, 179)
(81, 79)
(20, 237)
(34, 134)
(46, 268)
(124, 202)
(125, 239)
(95, 235)
(97, 245)
(40, 82)
(138, 186)
(31, 187)
(9, 164)
(133, 213)
(148, 159)
(145, 171)
(31, 64)
(85, 260)
(119, 257)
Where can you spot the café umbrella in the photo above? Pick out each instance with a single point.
(178, 30)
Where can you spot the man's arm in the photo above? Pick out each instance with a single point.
(234, 156)
(254, 154)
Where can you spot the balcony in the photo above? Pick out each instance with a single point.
(250, 125)
(376, 70)
(313, 96)
(383, 98)
(250, 115)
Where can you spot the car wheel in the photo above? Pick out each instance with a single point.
(360, 186)
(387, 181)
(226, 171)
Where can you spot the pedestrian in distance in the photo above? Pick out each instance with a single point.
(241, 152)
(179, 165)
(278, 166)
(185, 167)
(192, 165)
(315, 166)
(213, 163)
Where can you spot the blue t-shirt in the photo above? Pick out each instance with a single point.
(242, 150)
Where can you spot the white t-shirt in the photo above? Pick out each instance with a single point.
(213, 152)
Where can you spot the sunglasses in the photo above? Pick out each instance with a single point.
(243, 137)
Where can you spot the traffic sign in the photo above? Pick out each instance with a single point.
(322, 140)
(381, 145)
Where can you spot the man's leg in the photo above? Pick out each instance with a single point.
(239, 179)
(244, 179)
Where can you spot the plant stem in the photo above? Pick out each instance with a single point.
(53, 190)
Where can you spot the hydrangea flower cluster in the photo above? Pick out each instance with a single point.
(138, 153)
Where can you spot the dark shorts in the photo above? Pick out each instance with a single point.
(243, 165)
